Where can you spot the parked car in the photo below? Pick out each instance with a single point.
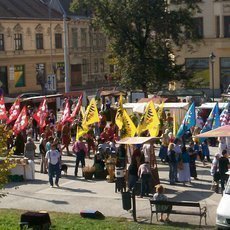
(223, 210)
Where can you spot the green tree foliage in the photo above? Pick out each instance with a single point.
(142, 35)
(5, 154)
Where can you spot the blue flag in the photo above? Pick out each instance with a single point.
(188, 121)
(212, 122)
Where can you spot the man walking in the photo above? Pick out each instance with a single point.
(223, 168)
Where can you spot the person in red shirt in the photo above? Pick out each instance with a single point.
(66, 137)
(48, 132)
(105, 135)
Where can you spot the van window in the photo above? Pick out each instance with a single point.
(227, 188)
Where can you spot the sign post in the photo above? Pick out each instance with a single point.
(51, 82)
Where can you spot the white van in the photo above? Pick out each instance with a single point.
(223, 210)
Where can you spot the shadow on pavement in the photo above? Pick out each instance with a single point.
(77, 190)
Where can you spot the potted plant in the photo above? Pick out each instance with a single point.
(88, 172)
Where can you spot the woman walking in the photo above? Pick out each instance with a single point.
(171, 158)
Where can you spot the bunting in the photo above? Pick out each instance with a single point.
(3, 115)
(42, 113)
(188, 121)
(149, 121)
(91, 115)
(21, 122)
(14, 111)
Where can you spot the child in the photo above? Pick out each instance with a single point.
(162, 208)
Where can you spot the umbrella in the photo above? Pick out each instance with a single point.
(223, 131)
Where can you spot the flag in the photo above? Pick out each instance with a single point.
(213, 120)
(91, 114)
(188, 121)
(42, 113)
(14, 111)
(175, 124)
(160, 110)
(118, 118)
(66, 112)
(81, 131)
(21, 122)
(3, 115)
(128, 128)
(149, 121)
(225, 116)
(77, 108)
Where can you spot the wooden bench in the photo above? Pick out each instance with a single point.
(201, 212)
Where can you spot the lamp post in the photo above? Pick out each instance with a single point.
(212, 60)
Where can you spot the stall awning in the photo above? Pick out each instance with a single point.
(210, 105)
(223, 131)
(136, 140)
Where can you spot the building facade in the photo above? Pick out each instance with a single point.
(210, 58)
(32, 49)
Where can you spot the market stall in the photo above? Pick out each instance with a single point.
(23, 167)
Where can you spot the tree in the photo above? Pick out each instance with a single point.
(5, 154)
(143, 35)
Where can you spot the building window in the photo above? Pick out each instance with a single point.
(217, 26)
(60, 71)
(58, 41)
(75, 38)
(199, 29)
(1, 42)
(226, 26)
(40, 73)
(95, 65)
(83, 37)
(39, 41)
(102, 65)
(19, 76)
(84, 66)
(224, 73)
(199, 69)
(18, 41)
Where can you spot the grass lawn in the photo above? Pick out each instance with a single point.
(9, 220)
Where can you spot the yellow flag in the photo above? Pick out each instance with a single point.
(81, 131)
(160, 110)
(149, 120)
(119, 114)
(175, 125)
(128, 128)
(91, 114)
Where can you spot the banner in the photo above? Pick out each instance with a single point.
(3, 115)
(42, 113)
(14, 111)
(21, 122)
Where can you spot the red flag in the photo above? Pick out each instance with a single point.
(66, 112)
(77, 108)
(41, 114)
(3, 115)
(21, 122)
(14, 111)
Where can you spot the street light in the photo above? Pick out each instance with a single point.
(212, 60)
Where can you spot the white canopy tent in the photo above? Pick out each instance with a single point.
(210, 105)
(177, 108)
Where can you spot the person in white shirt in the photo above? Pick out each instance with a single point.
(53, 158)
